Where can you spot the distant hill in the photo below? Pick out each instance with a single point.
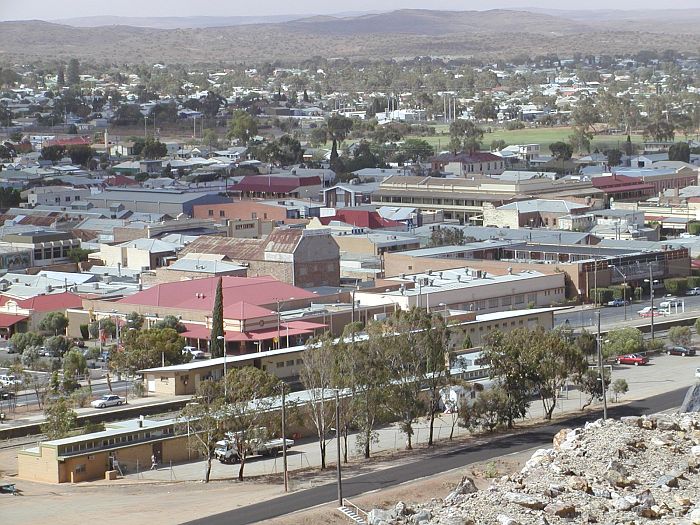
(399, 34)
(174, 22)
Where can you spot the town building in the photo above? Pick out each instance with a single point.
(171, 202)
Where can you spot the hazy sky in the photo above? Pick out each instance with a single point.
(56, 9)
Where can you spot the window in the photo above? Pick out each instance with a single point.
(211, 213)
(67, 199)
(290, 363)
(532, 298)
(57, 252)
(253, 215)
(80, 468)
(519, 299)
(493, 303)
(280, 364)
(505, 301)
(300, 361)
(222, 213)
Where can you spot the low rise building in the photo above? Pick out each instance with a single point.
(47, 247)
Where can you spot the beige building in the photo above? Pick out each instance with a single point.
(139, 254)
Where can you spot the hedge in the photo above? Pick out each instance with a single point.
(677, 286)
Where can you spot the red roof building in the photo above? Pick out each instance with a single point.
(364, 219)
(623, 187)
(271, 186)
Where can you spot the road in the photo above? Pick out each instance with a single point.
(612, 315)
(28, 398)
(430, 465)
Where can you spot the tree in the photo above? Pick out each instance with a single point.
(679, 151)
(149, 348)
(621, 341)
(417, 149)
(242, 127)
(251, 395)
(485, 109)
(53, 153)
(465, 136)
(680, 335)
(511, 373)
(60, 419)
(23, 340)
(172, 322)
(39, 384)
(58, 345)
(498, 145)
(590, 384)
(80, 154)
(317, 375)
(614, 157)
(561, 150)
(211, 138)
(54, 323)
(135, 320)
(491, 408)
(73, 72)
(619, 387)
(676, 286)
(586, 343)
(77, 255)
(218, 346)
(337, 127)
(202, 420)
(584, 117)
(153, 149)
(74, 366)
(9, 197)
(61, 76)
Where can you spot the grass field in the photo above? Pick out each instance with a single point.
(542, 136)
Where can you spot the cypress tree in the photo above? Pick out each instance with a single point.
(217, 323)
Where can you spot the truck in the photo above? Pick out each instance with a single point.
(227, 452)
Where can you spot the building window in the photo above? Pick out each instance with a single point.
(280, 364)
(493, 303)
(290, 363)
(222, 213)
(519, 299)
(211, 213)
(80, 468)
(505, 301)
(532, 298)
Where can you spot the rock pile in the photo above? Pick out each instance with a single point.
(636, 470)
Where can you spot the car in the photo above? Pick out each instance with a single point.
(11, 348)
(618, 302)
(680, 350)
(79, 342)
(9, 380)
(194, 352)
(107, 400)
(670, 302)
(694, 291)
(6, 394)
(632, 359)
(648, 312)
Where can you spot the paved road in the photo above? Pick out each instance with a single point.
(612, 315)
(428, 466)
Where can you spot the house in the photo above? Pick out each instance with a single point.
(54, 195)
(138, 254)
(170, 202)
(535, 213)
(278, 186)
(348, 195)
(464, 164)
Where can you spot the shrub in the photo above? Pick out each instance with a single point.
(680, 335)
(694, 228)
(623, 341)
(693, 281)
(84, 332)
(619, 387)
(677, 286)
(604, 295)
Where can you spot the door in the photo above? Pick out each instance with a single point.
(151, 383)
(158, 451)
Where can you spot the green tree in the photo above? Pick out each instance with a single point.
(590, 384)
(251, 395)
(73, 72)
(54, 322)
(680, 335)
(621, 341)
(614, 157)
(491, 408)
(149, 348)
(172, 322)
(80, 154)
(619, 387)
(485, 109)
(417, 149)
(25, 339)
(106, 326)
(77, 255)
(561, 150)
(676, 286)
(202, 420)
(154, 149)
(9, 197)
(465, 136)
(337, 127)
(679, 151)
(135, 320)
(211, 138)
(318, 376)
(59, 420)
(61, 75)
(498, 145)
(58, 345)
(53, 153)
(242, 127)
(217, 323)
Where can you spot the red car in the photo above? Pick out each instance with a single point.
(632, 359)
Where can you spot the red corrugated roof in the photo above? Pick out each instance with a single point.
(198, 294)
(8, 320)
(362, 218)
(272, 184)
(47, 303)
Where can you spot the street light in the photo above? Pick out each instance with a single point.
(444, 310)
(279, 323)
(624, 288)
(600, 370)
(651, 282)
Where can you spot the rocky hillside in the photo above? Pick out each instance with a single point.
(634, 471)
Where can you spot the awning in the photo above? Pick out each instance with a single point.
(201, 332)
(8, 320)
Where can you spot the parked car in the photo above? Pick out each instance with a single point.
(618, 302)
(11, 348)
(680, 350)
(194, 352)
(648, 312)
(694, 291)
(79, 342)
(5, 393)
(9, 380)
(632, 359)
(107, 400)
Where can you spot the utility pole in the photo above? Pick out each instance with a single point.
(337, 444)
(284, 439)
(601, 371)
(651, 295)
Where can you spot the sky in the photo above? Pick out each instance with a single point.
(53, 9)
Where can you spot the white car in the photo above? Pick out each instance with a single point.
(694, 291)
(107, 400)
(194, 352)
(10, 380)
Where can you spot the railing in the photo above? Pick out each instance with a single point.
(358, 510)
